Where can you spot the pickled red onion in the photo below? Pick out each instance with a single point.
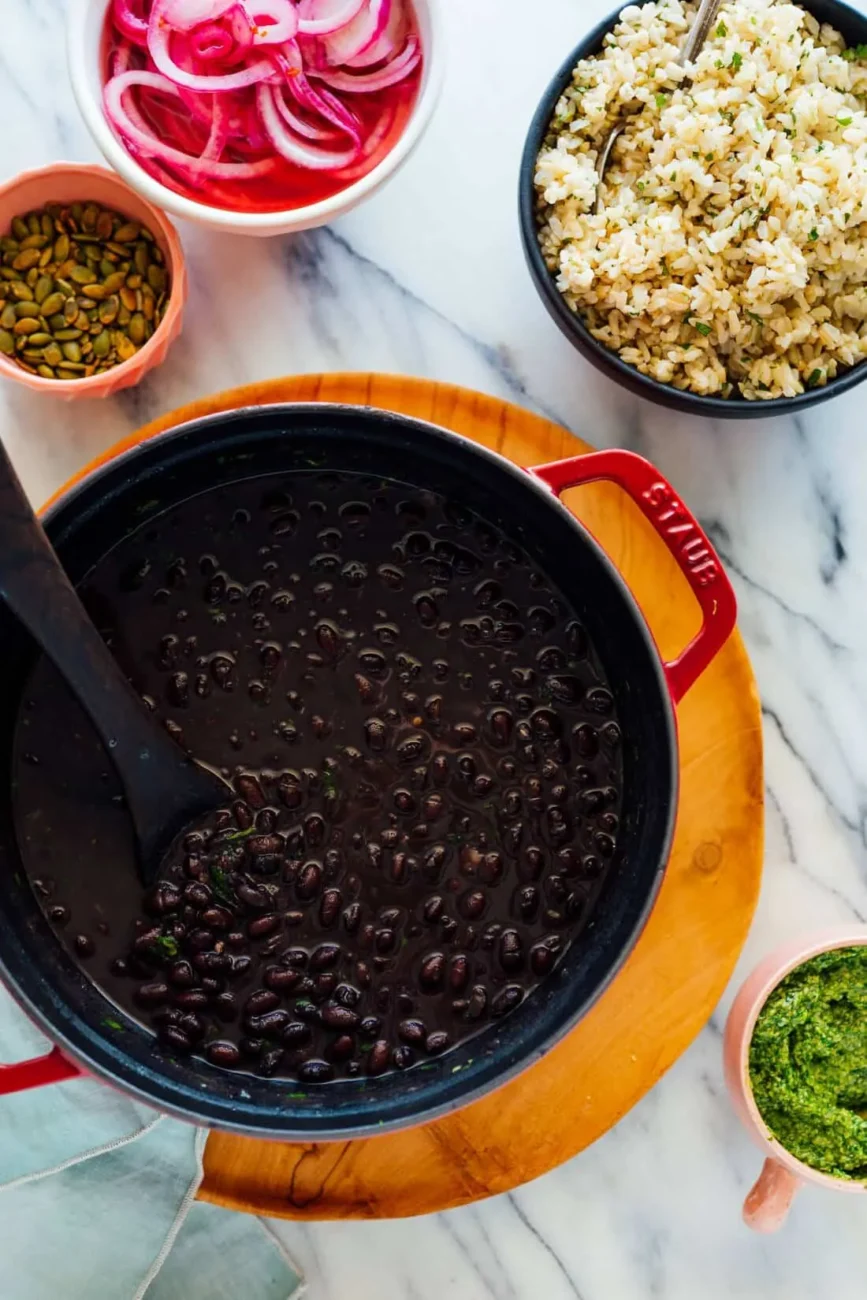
(151, 147)
(133, 28)
(159, 35)
(292, 147)
(367, 26)
(322, 17)
(366, 83)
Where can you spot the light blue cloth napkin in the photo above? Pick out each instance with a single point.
(97, 1200)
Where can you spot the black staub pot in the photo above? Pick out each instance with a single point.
(93, 515)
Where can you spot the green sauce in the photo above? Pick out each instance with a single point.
(808, 1063)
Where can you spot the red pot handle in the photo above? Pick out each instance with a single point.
(51, 1068)
(682, 534)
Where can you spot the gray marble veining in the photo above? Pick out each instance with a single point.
(428, 279)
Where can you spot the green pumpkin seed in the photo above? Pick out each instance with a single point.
(53, 354)
(124, 316)
(104, 225)
(57, 321)
(27, 308)
(19, 228)
(8, 244)
(61, 248)
(47, 224)
(127, 233)
(95, 291)
(44, 285)
(26, 326)
(142, 259)
(83, 275)
(106, 268)
(102, 344)
(112, 283)
(34, 224)
(72, 351)
(7, 343)
(45, 371)
(31, 277)
(39, 339)
(75, 368)
(8, 317)
(136, 329)
(7, 273)
(52, 303)
(125, 347)
(108, 309)
(69, 333)
(89, 217)
(34, 241)
(24, 260)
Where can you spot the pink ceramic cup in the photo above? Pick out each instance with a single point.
(769, 1200)
(66, 183)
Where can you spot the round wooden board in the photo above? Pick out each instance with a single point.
(677, 971)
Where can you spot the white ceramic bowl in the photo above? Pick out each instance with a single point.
(86, 21)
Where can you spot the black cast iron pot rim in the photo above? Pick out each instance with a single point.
(301, 1125)
(571, 323)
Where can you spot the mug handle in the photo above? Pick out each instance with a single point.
(37, 1072)
(769, 1200)
(683, 536)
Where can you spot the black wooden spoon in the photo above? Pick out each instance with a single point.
(165, 791)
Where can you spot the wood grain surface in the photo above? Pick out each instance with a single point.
(677, 971)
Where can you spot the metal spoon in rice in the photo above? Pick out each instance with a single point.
(696, 37)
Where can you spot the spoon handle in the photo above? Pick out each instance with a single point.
(698, 33)
(156, 775)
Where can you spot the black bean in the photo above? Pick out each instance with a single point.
(402, 1057)
(541, 959)
(269, 1061)
(260, 1001)
(473, 904)
(174, 1037)
(296, 1034)
(152, 993)
(263, 925)
(192, 1026)
(507, 999)
(309, 880)
(436, 1042)
(212, 963)
(342, 1048)
(181, 975)
(347, 995)
(477, 1003)
(254, 897)
(385, 940)
(432, 972)
(198, 895)
(329, 907)
(191, 999)
(459, 971)
(325, 956)
(378, 1060)
(269, 1023)
(315, 1071)
(58, 914)
(511, 951)
(163, 898)
(84, 945)
(280, 978)
(339, 1017)
(200, 940)
(217, 918)
(252, 1047)
(264, 844)
(223, 1053)
(412, 1031)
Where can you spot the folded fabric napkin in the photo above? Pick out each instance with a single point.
(97, 1200)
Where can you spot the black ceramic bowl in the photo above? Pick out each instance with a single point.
(853, 27)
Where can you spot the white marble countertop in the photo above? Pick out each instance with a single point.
(428, 279)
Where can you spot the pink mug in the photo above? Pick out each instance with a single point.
(769, 1200)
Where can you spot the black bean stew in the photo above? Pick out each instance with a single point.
(427, 765)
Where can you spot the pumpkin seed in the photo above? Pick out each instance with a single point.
(127, 233)
(106, 268)
(27, 325)
(53, 354)
(52, 303)
(136, 329)
(108, 309)
(45, 371)
(8, 273)
(34, 241)
(57, 321)
(114, 281)
(89, 217)
(125, 347)
(20, 290)
(34, 225)
(83, 275)
(25, 259)
(96, 291)
(47, 223)
(142, 259)
(61, 248)
(104, 225)
(8, 317)
(26, 309)
(44, 285)
(102, 344)
(62, 335)
(7, 342)
(72, 351)
(19, 228)
(39, 339)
